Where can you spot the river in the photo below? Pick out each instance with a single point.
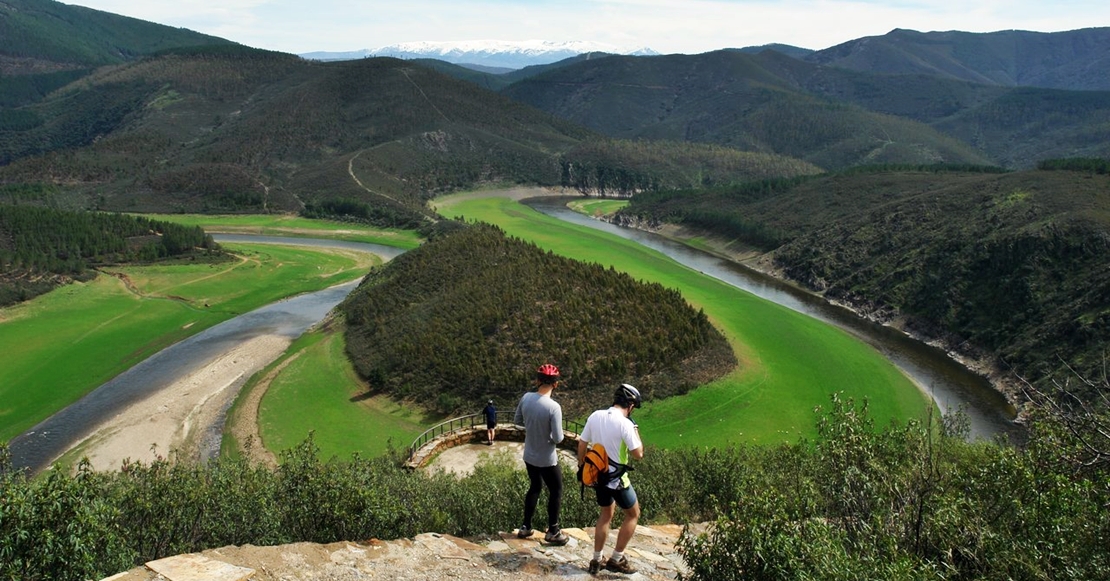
(949, 384)
(42, 444)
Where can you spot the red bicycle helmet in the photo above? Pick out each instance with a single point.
(547, 373)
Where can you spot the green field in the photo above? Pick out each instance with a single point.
(344, 419)
(595, 207)
(290, 225)
(65, 343)
(790, 363)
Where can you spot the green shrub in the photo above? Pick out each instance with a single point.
(914, 501)
(910, 502)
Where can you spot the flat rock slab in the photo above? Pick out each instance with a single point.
(427, 557)
(196, 567)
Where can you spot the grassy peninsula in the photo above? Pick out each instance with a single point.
(789, 363)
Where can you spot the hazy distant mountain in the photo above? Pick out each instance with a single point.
(1075, 60)
(786, 49)
(486, 53)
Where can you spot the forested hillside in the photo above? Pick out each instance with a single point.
(43, 247)
(232, 129)
(1013, 264)
(473, 314)
(733, 99)
(47, 44)
(831, 117)
(1072, 60)
(621, 167)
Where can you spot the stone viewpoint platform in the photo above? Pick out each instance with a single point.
(431, 556)
(427, 557)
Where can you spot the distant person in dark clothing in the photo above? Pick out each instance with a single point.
(491, 421)
(542, 418)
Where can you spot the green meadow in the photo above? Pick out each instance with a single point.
(316, 375)
(61, 345)
(67, 342)
(596, 207)
(290, 225)
(789, 363)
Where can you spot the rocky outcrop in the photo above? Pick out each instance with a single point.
(426, 557)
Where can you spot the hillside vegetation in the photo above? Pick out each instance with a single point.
(48, 44)
(1073, 59)
(906, 501)
(733, 99)
(41, 248)
(828, 116)
(473, 314)
(1012, 263)
(622, 167)
(232, 129)
(58, 35)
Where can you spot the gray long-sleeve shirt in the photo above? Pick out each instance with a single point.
(542, 418)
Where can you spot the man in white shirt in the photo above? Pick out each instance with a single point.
(613, 428)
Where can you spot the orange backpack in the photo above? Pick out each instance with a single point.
(595, 473)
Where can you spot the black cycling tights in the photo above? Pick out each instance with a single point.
(552, 476)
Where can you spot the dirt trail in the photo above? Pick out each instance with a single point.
(244, 428)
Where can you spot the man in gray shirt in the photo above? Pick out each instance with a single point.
(542, 419)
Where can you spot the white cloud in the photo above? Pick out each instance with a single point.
(688, 26)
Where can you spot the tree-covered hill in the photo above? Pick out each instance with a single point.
(1074, 59)
(241, 129)
(472, 314)
(1015, 127)
(495, 81)
(47, 44)
(622, 167)
(238, 129)
(43, 247)
(1013, 264)
(831, 117)
(733, 99)
(62, 35)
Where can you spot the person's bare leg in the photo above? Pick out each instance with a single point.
(601, 531)
(628, 527)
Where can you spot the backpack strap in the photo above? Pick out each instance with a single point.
(621, 470)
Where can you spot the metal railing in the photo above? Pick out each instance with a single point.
(471, 421)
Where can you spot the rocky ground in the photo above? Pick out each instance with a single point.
(427, 557)
(430, 556)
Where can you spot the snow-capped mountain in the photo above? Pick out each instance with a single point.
(488, 53)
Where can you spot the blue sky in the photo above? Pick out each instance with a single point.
(668, 26)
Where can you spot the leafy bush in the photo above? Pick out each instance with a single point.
(910, 502)
(914, 501)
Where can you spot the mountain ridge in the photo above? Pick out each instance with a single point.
(485, 53)
(1073, 60)
(833, 117)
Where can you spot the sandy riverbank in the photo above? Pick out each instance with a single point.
(176, 419)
